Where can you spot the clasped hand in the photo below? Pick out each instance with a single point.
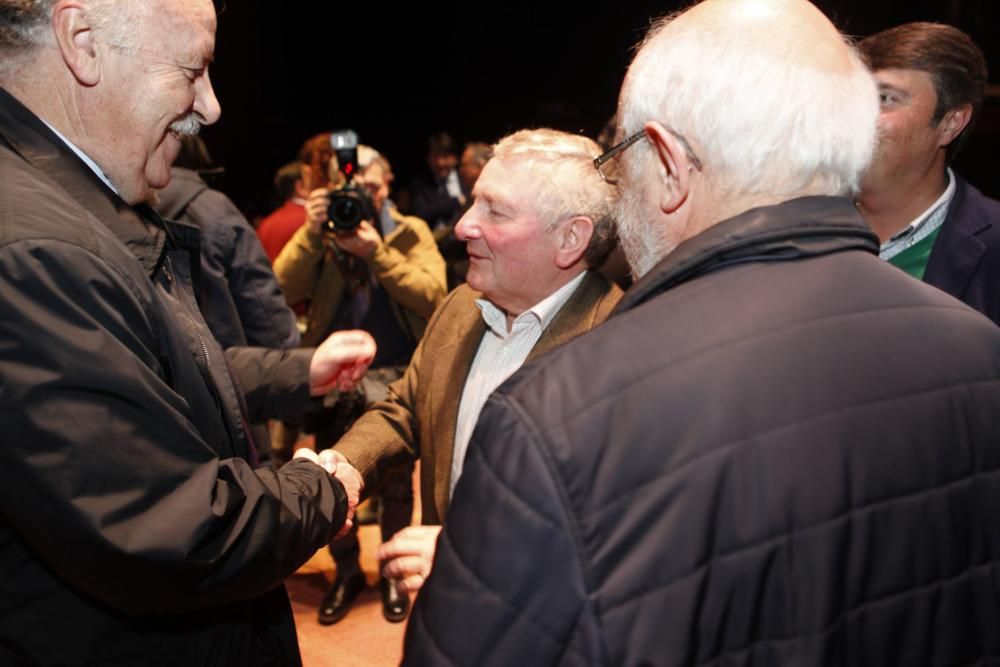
(338, 466)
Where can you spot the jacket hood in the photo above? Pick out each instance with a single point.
(182, 189)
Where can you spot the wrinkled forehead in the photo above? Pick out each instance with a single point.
(188, 20)
(511, 179)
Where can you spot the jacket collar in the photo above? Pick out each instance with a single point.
(795, 229)
(139, 228)
(578, 315)
(958, 250)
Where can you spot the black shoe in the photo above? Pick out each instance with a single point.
(395, 606)
(338, 600)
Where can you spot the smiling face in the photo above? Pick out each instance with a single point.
(152, 91)
(512, 258)
(911, 143)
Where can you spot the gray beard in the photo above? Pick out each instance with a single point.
(643, 246)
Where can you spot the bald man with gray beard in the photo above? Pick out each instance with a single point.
(778, 450)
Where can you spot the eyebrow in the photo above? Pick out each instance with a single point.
(896, 89)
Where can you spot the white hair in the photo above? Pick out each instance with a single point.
(367, 156)
(567, 183)
(25, 25)
(762, 121)
(116, 22)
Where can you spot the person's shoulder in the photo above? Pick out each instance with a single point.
(33, 207)
(456, 311)
(971, 202)
(602, 292)
(412, 221)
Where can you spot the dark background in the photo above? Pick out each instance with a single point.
(479, 70)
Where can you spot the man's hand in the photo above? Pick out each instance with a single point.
(316, 207)
(340, 361)
(361, 243)
(337, 465)
(407, 558)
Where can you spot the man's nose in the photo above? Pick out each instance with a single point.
(466, 228)
(206, 104)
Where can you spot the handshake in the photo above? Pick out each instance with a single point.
(337, 465)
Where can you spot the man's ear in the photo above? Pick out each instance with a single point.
(574, 237)
(954, 122)
(674, 167)
(75, 39)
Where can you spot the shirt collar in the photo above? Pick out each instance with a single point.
(83, 156)
(542, 312)
(925, 223)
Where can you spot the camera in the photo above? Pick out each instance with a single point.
(349, 204)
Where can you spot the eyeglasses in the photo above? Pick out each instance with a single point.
(609, 166)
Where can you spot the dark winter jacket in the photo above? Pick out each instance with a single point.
(965, 260)
(778, 451)
(240, 297)
(134, 529)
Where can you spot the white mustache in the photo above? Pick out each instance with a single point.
(189, 124)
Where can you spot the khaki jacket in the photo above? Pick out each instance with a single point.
(407, 265)
(418, 419)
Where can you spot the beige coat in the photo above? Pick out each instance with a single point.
(418, 419)
(407, 265)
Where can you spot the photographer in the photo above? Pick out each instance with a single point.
(384, 275)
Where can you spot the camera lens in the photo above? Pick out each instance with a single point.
(345, 212)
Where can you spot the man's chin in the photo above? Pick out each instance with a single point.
(158, 180)
(472, 279)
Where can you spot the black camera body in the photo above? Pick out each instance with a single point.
(349, 204)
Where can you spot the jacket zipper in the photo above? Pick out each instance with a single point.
(190, 320)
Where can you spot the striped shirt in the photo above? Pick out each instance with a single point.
(500, 353)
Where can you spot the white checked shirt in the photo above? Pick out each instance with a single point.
(923, 226)
(500, 354)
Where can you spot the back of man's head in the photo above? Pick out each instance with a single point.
(766, 92)
(286, 180)
(477, 152)
(954, 62)
(566, 182)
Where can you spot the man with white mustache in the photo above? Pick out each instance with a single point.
(136, 527)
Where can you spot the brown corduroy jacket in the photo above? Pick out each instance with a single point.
(418, 419)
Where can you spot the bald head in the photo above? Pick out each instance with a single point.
(767, 94)
(755, 81)
(779, 28)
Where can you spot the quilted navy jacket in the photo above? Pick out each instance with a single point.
(779, 451)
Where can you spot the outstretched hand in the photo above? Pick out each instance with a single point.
(340, 361)
(337, 465)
